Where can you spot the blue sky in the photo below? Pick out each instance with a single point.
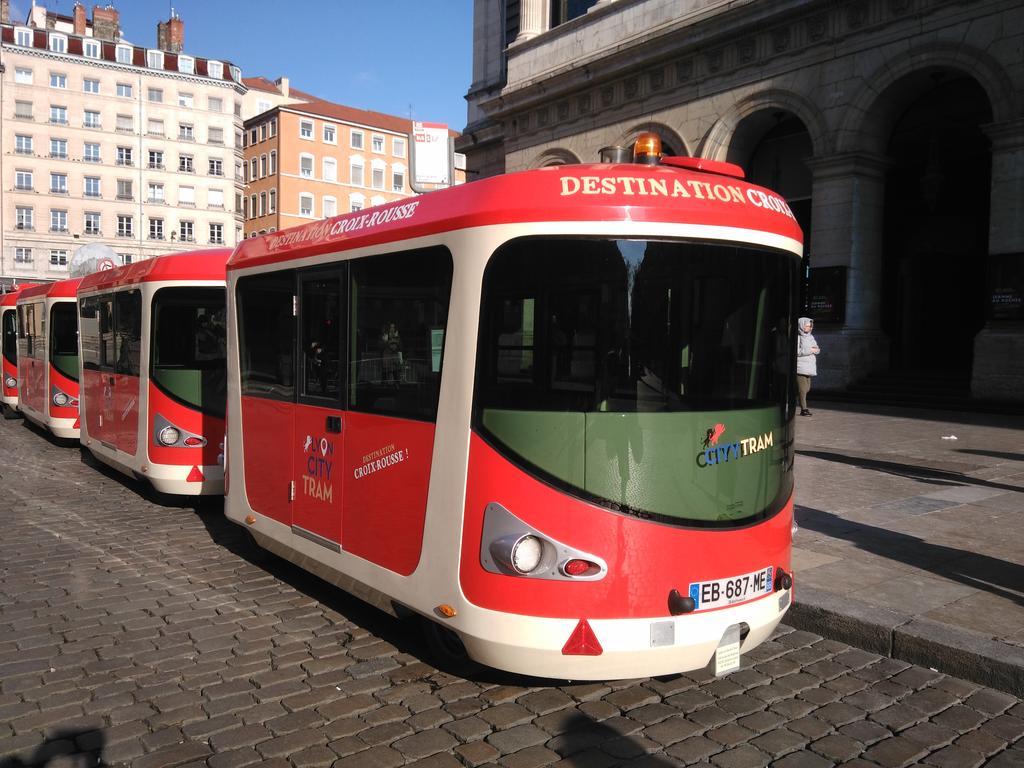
(392, 56)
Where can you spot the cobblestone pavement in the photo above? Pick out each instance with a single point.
(138, 631)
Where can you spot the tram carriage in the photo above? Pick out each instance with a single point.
(154, 370)
(48, 367)
(548, 412)
(9, 351)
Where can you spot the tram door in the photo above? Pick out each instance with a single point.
(318, 441)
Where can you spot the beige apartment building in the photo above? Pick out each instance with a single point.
(109, 142)
(306, 158)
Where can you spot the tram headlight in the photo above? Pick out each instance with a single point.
(527, 554)
(11, 382)
(60, 399)
(169, 436)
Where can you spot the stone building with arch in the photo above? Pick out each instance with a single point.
(894, 128)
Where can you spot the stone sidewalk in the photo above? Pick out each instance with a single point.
(911, 542)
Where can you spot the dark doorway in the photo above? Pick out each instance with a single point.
(936, 229)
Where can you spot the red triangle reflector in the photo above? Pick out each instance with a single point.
(195, 476)
(77, 424)
(582, 642)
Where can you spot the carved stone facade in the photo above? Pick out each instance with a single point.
(858, 86)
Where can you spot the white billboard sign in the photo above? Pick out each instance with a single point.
(431, 153)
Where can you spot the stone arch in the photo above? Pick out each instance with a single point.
(719, 142)
(554, 156)
(874, 109)
(669, 136)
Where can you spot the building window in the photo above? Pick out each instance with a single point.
(91, 153)
(156, 159)
(216, 234)
(263, 131)
(155, 59)
(155, 95)
(58, 221)
(253, 168)
(187, 196)
(330, 169)
(355, 204)
(23, 181)
(90, 86)
(23, 76)
(306, 166)
(357, 140)
(186, 132)
(263, 166)
(154, 127)
(330, 206)
(397, 180)
(252, 207)
(215, 69)
(23, 255)
(23, 37)
(306, 129)
(272, 201)
(59, 115)
(398, 147)
(186, 64)
(378, 143)
(215, 104)
(186, 100)
(252, 137)
(273, 127)
(156, 229)
(356, 172)
(92, 119)
(215, 198)
(236, 74)
(91, 49)
(58, 80)
(125, 124)
(124, 156)
(125, 226)
(22, 144)
(124, 90)
(124, 54)
(58, 183)
(58, 43)
(263, 203)
(216, 167)
(378, 178)
(24, 217)
(59, 149)
(126, 258)
(92, 186)
(330, 134)
(124, 189)
(156, 192)
(185, 164)
(215, 136)
(23, 110)
(58, 258)
(92, 224)
(273, 163)
(186, 232)
(306, 205)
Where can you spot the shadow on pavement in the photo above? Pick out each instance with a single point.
(911, 471)
(993, 454)
(69, 748)
(981, 572)
(584, 737)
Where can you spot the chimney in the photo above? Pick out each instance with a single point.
(79, 16)
(106, 23)
(282, 86)
(5, 11)
(170, 34)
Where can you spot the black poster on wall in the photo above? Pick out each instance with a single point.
(1006, 286)
(826, 295)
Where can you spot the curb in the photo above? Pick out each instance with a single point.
(951, 650)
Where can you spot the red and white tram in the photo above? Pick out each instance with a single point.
(550, 412)
(9, 351)
(154, 370)
(48, 356)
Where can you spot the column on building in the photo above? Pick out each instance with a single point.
(532, 19)
(998, 370)
(848, 214)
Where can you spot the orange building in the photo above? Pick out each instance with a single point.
(313, 159)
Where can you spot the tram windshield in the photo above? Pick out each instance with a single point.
(10, 331)
(189, 347)
(64, 339)
(653, 377)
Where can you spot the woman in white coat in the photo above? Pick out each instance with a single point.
(806, 361)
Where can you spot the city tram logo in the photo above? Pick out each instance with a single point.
(316, 482)
(712, 453)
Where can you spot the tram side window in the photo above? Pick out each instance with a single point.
(321, 318)
(11, 337)
(127, 332)
(266, 334)
(106, 311)
(399, 315)
(89, 329)
(30, 318)
(188, 359)
(64, 339)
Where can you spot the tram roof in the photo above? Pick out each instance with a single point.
(206, 264)
(62, 289)
(605, 192)
(11, 297)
